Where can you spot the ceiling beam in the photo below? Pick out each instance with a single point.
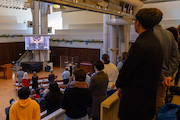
(86, 6)
(157, 1)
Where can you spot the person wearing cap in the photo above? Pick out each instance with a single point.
(111, 70)
(20, 74)
(24, 108)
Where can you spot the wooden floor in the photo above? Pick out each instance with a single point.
(8, 90)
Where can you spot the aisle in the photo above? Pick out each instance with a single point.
(8, 91)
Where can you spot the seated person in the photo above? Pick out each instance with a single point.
(66, 76)
(41, 91)
(41, 101)
(7, 109)
(77, 98)
(34, 96)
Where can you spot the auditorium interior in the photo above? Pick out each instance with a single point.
(75, 33)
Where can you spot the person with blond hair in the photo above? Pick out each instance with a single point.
(25, 80)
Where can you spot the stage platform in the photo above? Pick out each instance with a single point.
(32, 66)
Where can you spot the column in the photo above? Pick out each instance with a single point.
(105, 34)
(113, 43)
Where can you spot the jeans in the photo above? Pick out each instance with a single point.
(110, 92)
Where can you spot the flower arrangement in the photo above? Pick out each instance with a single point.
(75, 40)
(6, 36)
(59, 40)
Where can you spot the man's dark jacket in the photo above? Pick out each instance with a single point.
(138, 78)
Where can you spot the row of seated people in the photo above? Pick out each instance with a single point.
(35, 82)
(80, 100)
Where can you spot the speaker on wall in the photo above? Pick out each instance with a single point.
(30, 24)
(49, 29)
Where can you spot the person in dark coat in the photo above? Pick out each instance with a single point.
(98, 86)
(51, 76)
(53, 98)
(140, 74)
(77, 98)
(34, 80)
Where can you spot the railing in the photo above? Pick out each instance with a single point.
(110, 107)
(57, 115)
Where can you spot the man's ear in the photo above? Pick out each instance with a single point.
(137, 23)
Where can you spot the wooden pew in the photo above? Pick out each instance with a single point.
(110, 107)
(43, 114)
(41, 78)
(56, 115)
(43, 83)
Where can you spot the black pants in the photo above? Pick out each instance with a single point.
(65, 81)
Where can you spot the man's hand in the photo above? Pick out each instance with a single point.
(119, 92)
(167, 81)
(112, 87)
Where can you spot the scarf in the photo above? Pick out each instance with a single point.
(78, 84)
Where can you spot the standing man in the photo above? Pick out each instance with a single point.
(111, 70)
(140, 74)
(170, 61)
(66, 75)
(178, 73)
(24, 108)
(98, 87)
(20, 74)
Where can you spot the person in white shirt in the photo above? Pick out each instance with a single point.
(66, 75)
(112, 72)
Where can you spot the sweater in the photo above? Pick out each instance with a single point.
(112, 72)
(25, 109)
(25, 83)
(76, 102)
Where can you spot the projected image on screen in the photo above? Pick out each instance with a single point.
(37, 43)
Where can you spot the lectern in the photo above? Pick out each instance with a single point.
(7, 71)
(87, 66)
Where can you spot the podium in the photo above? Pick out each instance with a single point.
(7, 71)
(87, 66)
